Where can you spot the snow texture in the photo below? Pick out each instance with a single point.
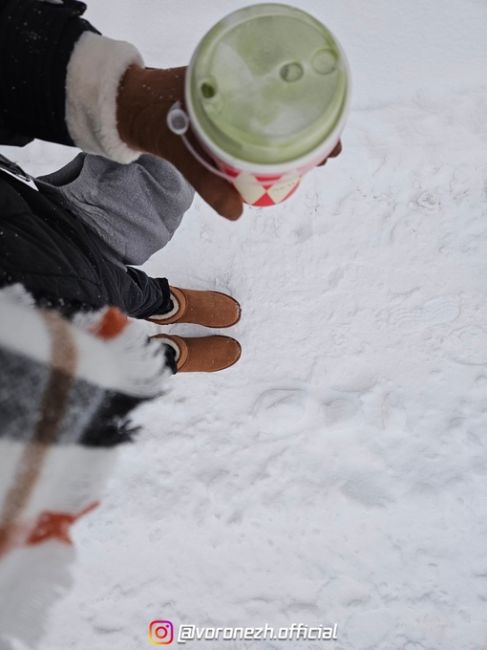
(338, 472)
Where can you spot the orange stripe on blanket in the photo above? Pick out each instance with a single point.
(56, 525)
(111, 324)
(48, 526)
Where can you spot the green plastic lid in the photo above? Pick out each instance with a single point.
(267, 84)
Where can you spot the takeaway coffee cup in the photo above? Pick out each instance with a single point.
(267, 93)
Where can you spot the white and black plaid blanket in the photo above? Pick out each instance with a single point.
(66, 389)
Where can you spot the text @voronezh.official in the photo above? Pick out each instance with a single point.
(163, 632)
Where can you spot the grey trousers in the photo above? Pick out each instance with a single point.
(135, 209)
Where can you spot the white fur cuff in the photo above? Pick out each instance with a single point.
(94, 72)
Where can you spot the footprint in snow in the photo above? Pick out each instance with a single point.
(340, 409)
(284, 411)
(365, 489)
(437, 311)
(468, 345)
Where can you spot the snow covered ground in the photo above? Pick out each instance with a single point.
(339, 472)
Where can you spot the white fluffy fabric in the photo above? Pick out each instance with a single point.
(128, 363)
(36, 576)
(94, 72)
(169, 314)
(59, 435)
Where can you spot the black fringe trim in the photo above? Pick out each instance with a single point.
(112, 425)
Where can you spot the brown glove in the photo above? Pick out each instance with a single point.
(144, 98)
(336, 152)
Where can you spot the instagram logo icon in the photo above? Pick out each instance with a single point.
(161, 632)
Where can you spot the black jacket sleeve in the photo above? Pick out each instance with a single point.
(36, 42)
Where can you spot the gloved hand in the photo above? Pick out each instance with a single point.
(336, 152)
(144, 98)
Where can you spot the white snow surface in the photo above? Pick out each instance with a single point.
(338, 473)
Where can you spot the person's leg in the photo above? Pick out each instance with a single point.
(135, 209)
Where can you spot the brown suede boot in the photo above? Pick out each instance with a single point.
(208, 308)
(204, 353)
